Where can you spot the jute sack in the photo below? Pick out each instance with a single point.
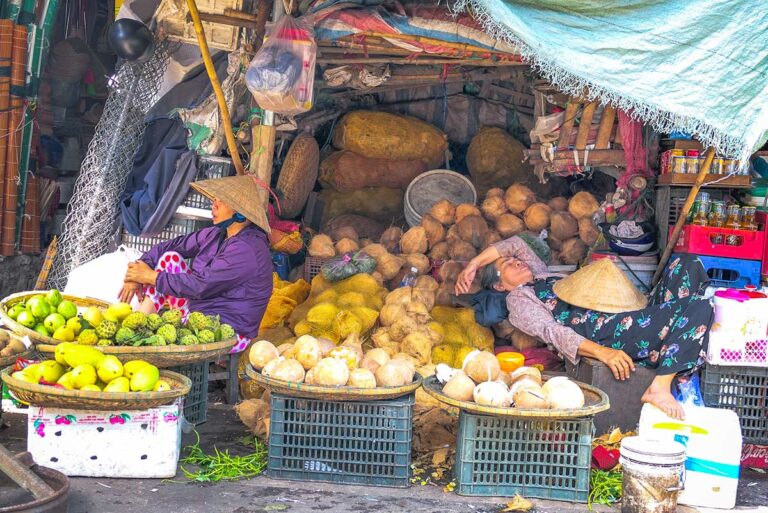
(378, 203)
(496, 159)
(347, 171)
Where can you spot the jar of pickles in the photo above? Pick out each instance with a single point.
(716, 217)
(702, 197)
(748, 220)
(733, 219)
(701, 217)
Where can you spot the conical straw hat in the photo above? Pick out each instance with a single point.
(601, 286)
(239, 193)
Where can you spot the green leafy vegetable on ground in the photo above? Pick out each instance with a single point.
(605, 487)
(221, 466)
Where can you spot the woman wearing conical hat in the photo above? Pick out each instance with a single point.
(230, 274)
(598, 313)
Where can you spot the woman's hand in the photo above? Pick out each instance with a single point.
(140, 272)
(130, 290)
(466, 277)
(618, 361)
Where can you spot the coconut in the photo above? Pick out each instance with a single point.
(402, 327)
(493, 207)
(369, 363)
(491, 238)
(445, 293)
(261, 353)
(573, 251)
(496, 192)
(309, 377)
(289, 370)
(434, 229)
(558, 204)
(530, 398)
(588, 232)
(419, 261)
(346, 245)
(426, 282)
(492, 393)
(376, 250)
(555, 244)
(284, 348)
(307, 351)
(582, 205)
(345, 232)
(440, 251)
(406, 364)
(460, 388)
(563, 225)
(414, 241)
(444, 211)
(270, 367)
(326, 346)
(419, 346)
(523, 383)
(563, 394)
(390, 375)
(331, 372)
(505, 378)
(452, 234)
(518, 198)
(466, 209)
(508, 225)
(361, 378)
(381, 338)
(321, 246)
(472, 229)
(461, 251)
(520, 372)
(536, 217)
(401, 295)
(364, 243)
(450, 270)
(378, 355)
(391, 238)
(482, 366)
(389, 265)
(424, 297)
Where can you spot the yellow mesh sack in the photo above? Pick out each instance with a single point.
(480, 337)
(444, 353)
(368, 316)
(322, 314)
(298, 290)
(326, 296)
(350, 299)
(444, 314)
(278, 310)
(346, 323)
(362, 283)
(465, 317)
(455, 334)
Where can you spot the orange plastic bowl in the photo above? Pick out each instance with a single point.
(510, 361)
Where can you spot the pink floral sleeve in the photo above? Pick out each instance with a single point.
(517, 248)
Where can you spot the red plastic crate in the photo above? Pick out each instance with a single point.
(762, 219)
(710, 241)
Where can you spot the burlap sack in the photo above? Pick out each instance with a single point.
(495, 159)
(347, 171)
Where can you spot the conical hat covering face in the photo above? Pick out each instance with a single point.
(600, 286)
(239, 193)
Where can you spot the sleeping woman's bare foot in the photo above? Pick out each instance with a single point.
(659, 395)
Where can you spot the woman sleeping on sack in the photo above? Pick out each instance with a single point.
(231, 270)
(669, 335)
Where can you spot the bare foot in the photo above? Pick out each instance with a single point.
(663, 399)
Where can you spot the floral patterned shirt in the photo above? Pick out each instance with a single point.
(527, 313)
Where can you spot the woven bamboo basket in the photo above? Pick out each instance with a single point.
(595, 401)
(331, 393)
(298, 175)
(53, 397)
(163, 356)
(5, 361)
(34, 336)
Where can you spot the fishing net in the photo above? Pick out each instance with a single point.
(92, 221)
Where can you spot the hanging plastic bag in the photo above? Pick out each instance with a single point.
(347, 265)
(102, 277)
(282, 73)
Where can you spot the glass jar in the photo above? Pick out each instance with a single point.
(748, 221)
(678, 164)
(729, 166)
(692, 162)
(702, 197)
(733, 219)
(717, 166)
(716, 215)
(700, 218)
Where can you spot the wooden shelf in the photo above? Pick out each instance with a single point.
(687, 180)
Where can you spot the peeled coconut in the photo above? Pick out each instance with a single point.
(369, 363)
(518, 198)
(401, 295)
(493, 207)
(289, 370)
(391, 238)
(563, 394)
(378, 355)
(496, 192)
(573, 251)
(261, 353)
(508, 225)
(406, 365)
(505, 378)
(345, 232)
(466, 209)
(491, 238)
(461, 251)
(563, 225)
(321, 246)
(460, 388)
(347, 355)
(326, 346)
(492, 393)
(309, 377)
(331, 372)
(269, 368)
(472, 229)
(444, 211)
(440, 251)
(483, 366)
(361, 378)
(307, 351)
(284, 348)
(558, 204)
(346, 245)
(521, 372)
(536, 216)
(419, 346)
(530, 398)
(582, 205)
(588, 232)
(414, 241)
(434, 229)
(390, 375)
(522, 383)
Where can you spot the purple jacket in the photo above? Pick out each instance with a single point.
(229, 277)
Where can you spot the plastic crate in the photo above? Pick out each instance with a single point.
(762, 219)
(731, 272)
(734, 349)
(176, 228)
(312, 267)
(706, 240)
(537, 458)
(362, 443)
(196, 402)
(209, 168)
(743, 390)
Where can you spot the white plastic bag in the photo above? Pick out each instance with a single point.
(102, 277)
(282, 73)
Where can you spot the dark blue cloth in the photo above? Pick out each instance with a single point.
(490, 307)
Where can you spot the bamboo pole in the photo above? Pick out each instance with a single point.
(684, 214)
(222, 102)
(6, 52)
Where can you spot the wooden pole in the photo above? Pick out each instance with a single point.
(684, 214)
(263, 135)
(211, 70)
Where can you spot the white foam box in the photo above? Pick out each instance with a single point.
(140, 444)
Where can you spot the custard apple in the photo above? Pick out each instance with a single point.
(106, 329)
(168, 332)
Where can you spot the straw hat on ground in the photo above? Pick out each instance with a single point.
(601, 286)
(239, 193)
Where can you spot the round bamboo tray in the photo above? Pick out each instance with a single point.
(329, 392)
(53, 397)
(163, 356)
(34, 336)
(595, 401)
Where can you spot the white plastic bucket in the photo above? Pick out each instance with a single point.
(428, 188)
(653, 475)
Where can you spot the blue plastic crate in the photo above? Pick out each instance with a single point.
(196, 401)
(535, 457)
(732, 272)
(362, 443)
(743, 390)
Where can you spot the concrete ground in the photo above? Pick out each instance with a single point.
(262, 494)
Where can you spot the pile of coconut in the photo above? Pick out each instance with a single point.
(482, 381)
(318, 361)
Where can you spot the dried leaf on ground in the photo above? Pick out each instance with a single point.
(518, 503)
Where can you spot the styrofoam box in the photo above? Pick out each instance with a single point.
(144, 444)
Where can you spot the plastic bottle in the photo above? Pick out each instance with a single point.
(409, 280)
